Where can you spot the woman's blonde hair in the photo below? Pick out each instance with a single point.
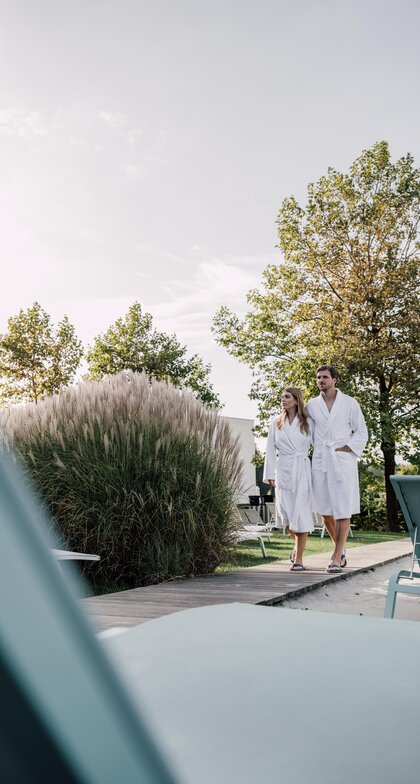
(301, 410)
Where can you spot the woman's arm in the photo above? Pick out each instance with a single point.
(269, 474)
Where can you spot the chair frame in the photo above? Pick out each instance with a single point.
(252, 530)
(394, 586)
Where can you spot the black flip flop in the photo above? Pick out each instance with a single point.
(333, 568)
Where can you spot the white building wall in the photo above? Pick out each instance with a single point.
(243, 429)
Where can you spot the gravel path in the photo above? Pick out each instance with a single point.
(362, 594)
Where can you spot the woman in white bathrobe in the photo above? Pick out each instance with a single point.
(287, 466)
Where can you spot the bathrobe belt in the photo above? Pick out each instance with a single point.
(300, 465)
(300, 462)
(329, 459)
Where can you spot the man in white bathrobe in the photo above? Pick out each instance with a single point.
(340, 436)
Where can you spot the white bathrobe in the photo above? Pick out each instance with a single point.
(335, 478)
(287, 462)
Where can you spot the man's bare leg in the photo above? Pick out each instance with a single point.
(329, 522)
(342, 528)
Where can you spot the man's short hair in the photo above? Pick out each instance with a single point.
(331, 369)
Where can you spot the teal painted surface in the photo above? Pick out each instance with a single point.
(70, 698)
(407, 490)
(245, 694)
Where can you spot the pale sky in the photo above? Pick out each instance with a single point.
(146, 147)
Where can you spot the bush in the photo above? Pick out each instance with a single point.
(140, 473)
(372, 497)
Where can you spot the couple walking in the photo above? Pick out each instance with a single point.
(333, 423)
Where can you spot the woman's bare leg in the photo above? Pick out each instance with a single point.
(293, 553)
(300, 546)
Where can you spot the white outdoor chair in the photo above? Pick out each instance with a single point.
(68, 555)
(319, 525)
(252, 527)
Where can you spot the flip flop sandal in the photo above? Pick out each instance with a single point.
(333, 568)
(293, 555)
(343, 560)
(297, 568)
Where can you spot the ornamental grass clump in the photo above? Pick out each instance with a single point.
(140, 473)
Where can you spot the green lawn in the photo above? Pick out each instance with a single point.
(248, 553)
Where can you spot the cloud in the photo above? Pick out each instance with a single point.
(197, 248)
(133, 135)
(185, 307)
(81, 123)
(133, 172)
(17, 121)
(193, 303)
(89, 126)
(129, 130)
(218, 281)
(113, 119)
(149, 250)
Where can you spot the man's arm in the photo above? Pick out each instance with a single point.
(360, 435)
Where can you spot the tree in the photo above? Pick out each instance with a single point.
(346, 293)
(35, 359)
(132, 344)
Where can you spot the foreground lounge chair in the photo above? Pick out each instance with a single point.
(66, 718)
(320, 710)
(407, 490)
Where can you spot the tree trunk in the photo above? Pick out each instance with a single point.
(388, 450)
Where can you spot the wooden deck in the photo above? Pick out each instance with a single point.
(266, 584)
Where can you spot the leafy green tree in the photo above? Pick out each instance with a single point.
(346, 293)
(36, 359)
(133, 344)
(408, 469)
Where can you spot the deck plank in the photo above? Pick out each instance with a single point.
(266, 584)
